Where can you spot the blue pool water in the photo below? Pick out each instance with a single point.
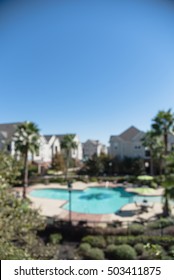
(95, 200)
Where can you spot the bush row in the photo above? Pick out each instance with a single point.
(125, 252)
(126, 248)
(164, 241)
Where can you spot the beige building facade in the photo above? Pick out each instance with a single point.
(127, 144)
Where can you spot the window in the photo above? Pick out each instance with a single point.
(137, 147)
(115, 146)
(147, 152)
(9, 147)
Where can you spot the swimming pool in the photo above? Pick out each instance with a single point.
(95, 200)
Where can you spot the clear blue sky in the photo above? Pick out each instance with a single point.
(89, 67)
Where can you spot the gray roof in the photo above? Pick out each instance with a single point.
(60, 136)
(48, 137)
(2, 137)
(7, 130)
(129, 133)
(114, 137)
(94, 142)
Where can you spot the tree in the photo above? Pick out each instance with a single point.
(162, 124)
(95, 166)
(107, 163)
(68, 144)
(170, 163)
(18, 229)
(58, 163)
(159, 156)
(156, 150)
(168, 194)
(148, 142)
(26, 140)
(10, 169)
(138, 166)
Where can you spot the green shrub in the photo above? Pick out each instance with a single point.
(95, 241)
(8, 251)
(110, 239)
(55, 238)
(93, 179)
(87, 252)
(169, 231)
(131, 179)
(139, 248)
(125, 240)
(121, 252)
(57, 180)
(154, 252)
(164, 241)
(32, 170)
(171, 251)
(161, 223)
(136, 229)
(110, 251)
(160, 179)
(153, 185)
(84, 249)
(95, 254)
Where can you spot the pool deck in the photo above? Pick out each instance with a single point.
(128, 213)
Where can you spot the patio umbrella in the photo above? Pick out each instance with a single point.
(145, 178)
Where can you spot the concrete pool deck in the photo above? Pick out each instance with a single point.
(53, 208)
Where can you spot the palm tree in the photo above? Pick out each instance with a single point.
(156, 149)
(26, 140)
(68, 144)
(149, 142)
(158, 155)
(168, 194)
(162, 124)
(170, 163)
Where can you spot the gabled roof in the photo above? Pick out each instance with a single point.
(61, 136)
(2, 137)
(114, 137)
(7, 130)
(94, 142)
(129, 133)
(48, 137)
